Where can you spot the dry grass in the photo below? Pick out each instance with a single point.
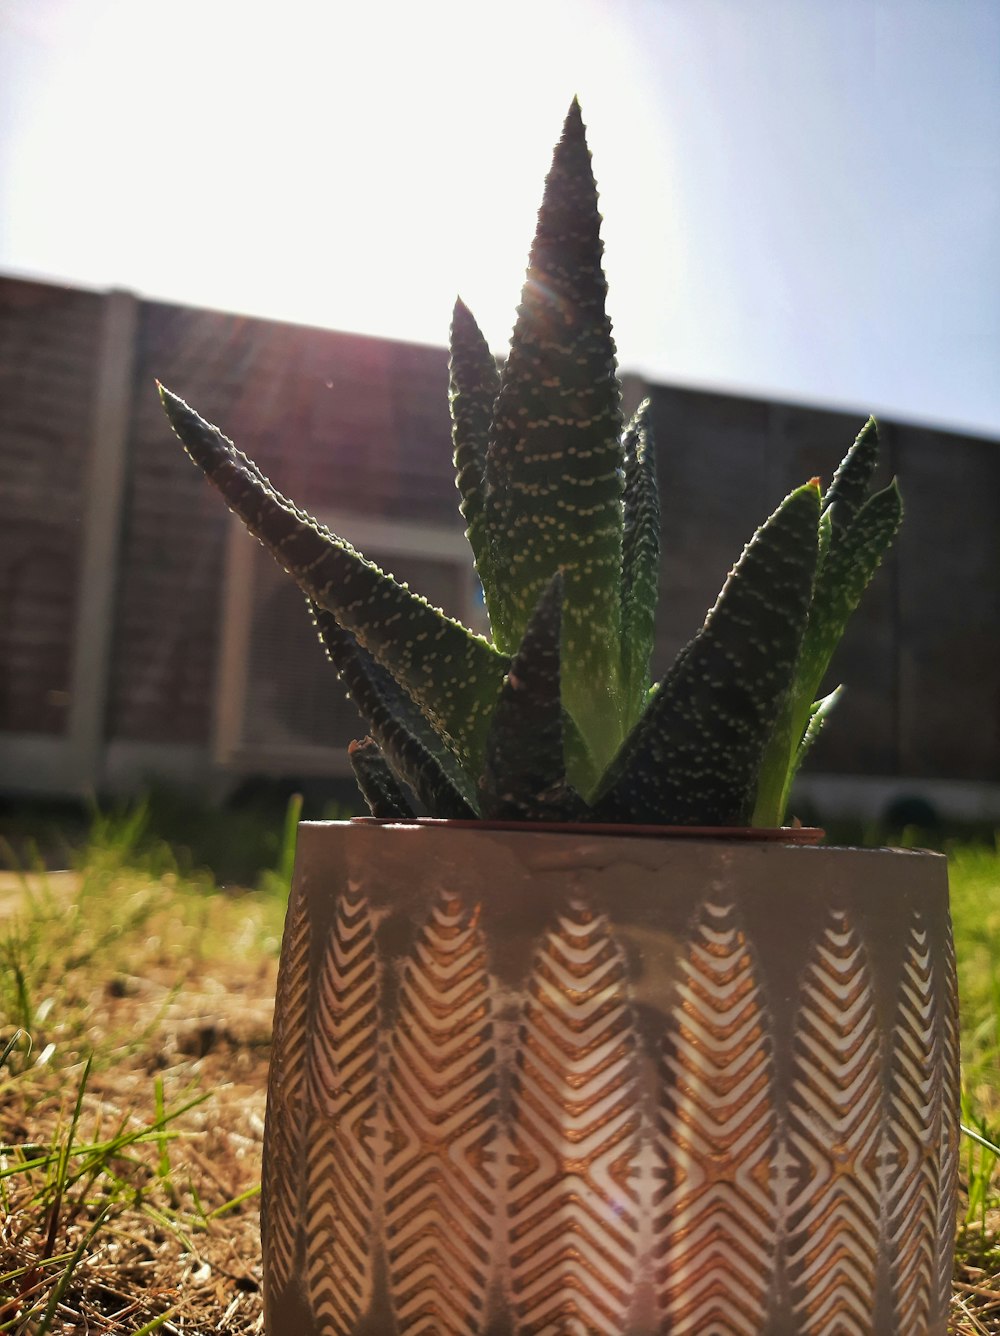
(131, 1125)
(132, 1121)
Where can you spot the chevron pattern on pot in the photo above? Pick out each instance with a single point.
(343, 1093)
(835, 1140)
(715, 1213)
(603, 1126)
(948, 1129)
(286, 1098)
(914, 1136)
(572, 1203)
(441, 1123)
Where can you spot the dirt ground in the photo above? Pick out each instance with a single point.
(159, 1029)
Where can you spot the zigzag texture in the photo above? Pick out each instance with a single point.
(715, 1213)
(342, 1089)
(914, 1135)
(948, 1128)
(441, 1123)
(572, 1205)
(834, 1138)
(286, 1097)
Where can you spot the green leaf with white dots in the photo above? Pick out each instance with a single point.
(819, 713)
(852, 559)
(857, 533)
(640, 558)
(452, 674)
(849, 488)
(409, 743)
(473, 385)
(554, 464)
(379, 786)
(524, 776)
(694, 756)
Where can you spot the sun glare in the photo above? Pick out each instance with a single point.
(349, 167)
(765, 185)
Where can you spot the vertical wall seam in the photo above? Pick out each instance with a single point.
(98, 572)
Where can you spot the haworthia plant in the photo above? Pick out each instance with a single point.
(855, 531)
(554, 717)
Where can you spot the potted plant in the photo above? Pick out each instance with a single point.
(598, 1045)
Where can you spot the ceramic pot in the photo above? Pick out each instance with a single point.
(564, 1082)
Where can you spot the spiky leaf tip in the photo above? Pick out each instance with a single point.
(852, 560)
(554, 464)
(850, 554)
(473, 385)
(378, 785)
(849, 487)
(524, 777)
(694, 756)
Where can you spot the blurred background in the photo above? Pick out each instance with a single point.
(271, 209)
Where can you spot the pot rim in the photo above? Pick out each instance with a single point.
(749, 834)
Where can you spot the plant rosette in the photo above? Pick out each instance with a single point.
(552, 1078)
(554, 716)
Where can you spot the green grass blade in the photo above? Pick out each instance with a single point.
(11, 1044)
(289, 840)
(453, 674)
(163, 1140)
(640, 559)
(155, 1324)
(234, 1203)
(473, 385)
(694, 756)
(983, 1142)
(36, 1264)
(79, 1252)
(554, 466)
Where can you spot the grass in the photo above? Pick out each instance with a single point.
(975, 895)
(135, 1009)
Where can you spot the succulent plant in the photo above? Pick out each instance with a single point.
(554, 716)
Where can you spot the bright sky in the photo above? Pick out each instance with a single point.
(802, 197)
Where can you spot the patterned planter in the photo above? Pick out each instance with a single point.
(570, 1083)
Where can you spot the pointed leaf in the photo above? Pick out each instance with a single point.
(474, 383)
(524, 777)
(377, 783)
(819, 713)
(848, 564)
(694, 756)
(640, 557)
(554, 465)
(853, 558)
(849, 487)
(452, 674)
(581, 768)
(411, 747)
